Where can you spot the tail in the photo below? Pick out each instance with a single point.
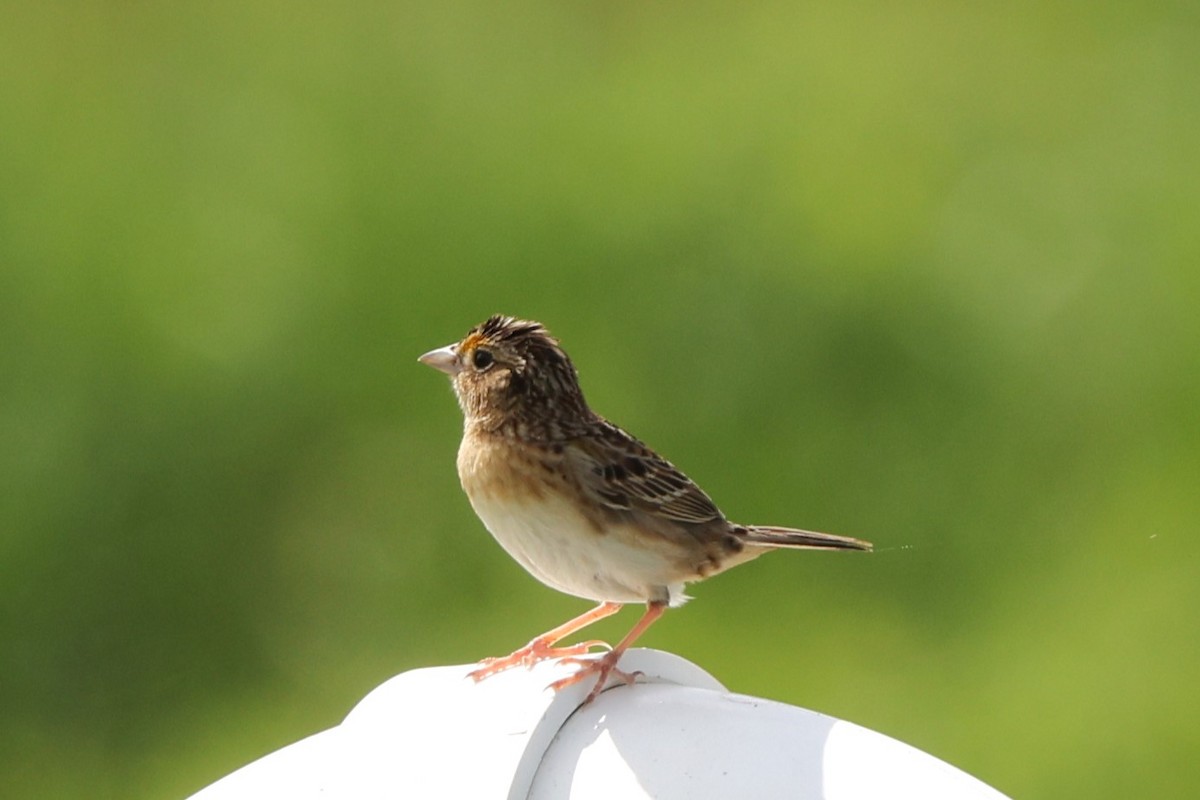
(809, 540)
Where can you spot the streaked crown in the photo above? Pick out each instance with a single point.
(515, 377)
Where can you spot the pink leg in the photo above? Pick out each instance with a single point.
(543, 648)
(607, 663)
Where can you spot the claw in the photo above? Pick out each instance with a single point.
(602, 667)
(536, 651)
(541, 649)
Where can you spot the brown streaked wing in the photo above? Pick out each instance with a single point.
(618, 471)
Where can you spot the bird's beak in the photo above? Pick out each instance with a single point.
(444, 359)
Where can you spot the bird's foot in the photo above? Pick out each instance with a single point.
(601, 667)
(536, 651)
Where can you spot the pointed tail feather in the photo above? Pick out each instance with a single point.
(789, 537)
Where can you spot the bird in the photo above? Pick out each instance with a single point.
(581, 504)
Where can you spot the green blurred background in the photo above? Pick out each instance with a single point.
(925, 274)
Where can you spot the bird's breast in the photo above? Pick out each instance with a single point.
(539, 517)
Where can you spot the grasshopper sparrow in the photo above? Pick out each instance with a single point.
(583, 506)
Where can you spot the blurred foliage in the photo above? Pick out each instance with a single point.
(925, 274)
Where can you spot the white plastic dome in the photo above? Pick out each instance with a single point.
(677, 733)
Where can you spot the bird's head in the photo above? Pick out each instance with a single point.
(511, 372)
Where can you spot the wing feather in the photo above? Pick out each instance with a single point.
(623, 474)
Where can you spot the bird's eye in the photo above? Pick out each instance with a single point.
(482, 359)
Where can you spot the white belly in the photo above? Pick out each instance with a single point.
(550, 539)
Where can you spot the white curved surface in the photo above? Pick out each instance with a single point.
(676, 734)
(673, 743)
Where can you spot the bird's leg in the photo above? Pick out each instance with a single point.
(606, 664)
(542, 647)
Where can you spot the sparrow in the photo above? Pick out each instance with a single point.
(582, 505)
